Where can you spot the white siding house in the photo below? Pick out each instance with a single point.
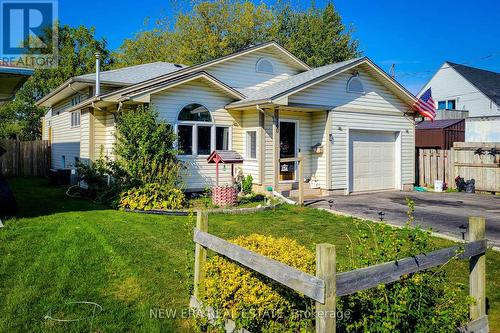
(450, 86)
(477, 91)
(265, 104)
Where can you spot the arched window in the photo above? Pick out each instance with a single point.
(264, 66)
(197, 134)
(355, 85)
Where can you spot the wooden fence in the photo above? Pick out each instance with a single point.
(469, 160)
(25, 158)
(327, 284)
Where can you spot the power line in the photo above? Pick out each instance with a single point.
(428, 72)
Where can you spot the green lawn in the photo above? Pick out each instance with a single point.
(65, 249)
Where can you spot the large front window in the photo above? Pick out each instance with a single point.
(197, 134)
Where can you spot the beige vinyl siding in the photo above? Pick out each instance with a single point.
(343, 121)
(199, 173)
(377, 109)
(99, 133)
(319, 134)
(65, 139)
(84, 133)
(110, 135)
(333, 92)
(240, 72)
(45, 125)
(269, 152)
(250, 122)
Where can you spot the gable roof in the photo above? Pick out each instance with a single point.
(303, 80)
(161, 78)
(437, 124)
(133, 74)
(183, 79)
(294, 81)
(487, 82)
(126, 76)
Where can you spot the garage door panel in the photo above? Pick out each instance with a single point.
(372, 161)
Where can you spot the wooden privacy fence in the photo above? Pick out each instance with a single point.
(434, 164)
(25, 158)
(470, 160)
(327, 284)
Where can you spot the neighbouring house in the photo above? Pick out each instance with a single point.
(472, 93)
(11, 79)
(439, 134)
(352, 123)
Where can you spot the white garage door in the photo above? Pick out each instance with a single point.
(372, 161)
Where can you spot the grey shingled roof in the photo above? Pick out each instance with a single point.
(292, 82)
(134, 74)
(486, 81)
(437, 124)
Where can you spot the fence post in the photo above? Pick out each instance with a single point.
(326, 270)
(200, 255)
(477, 269)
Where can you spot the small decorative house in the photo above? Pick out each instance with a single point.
(224, 195)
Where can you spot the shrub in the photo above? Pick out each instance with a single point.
(416, 303)
(145, 149)
(413, 304)
(246, 184)
(253, 301)
(152, 196)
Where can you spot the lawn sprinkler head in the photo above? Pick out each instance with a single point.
(381, 216)
(463, 230)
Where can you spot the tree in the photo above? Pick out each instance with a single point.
(211, 29)
(317, 36)
(21, 117)
(216, 28)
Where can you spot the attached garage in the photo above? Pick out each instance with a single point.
(373, 160)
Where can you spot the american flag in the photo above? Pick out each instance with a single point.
(426, 105)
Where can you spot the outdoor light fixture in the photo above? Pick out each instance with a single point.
(381, 216)
(463, 230)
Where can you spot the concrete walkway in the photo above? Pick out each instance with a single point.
(443, 212)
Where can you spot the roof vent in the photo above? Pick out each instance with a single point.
(97, 74)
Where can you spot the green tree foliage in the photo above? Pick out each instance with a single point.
(216, 28)
(317, 36)
(77, 46)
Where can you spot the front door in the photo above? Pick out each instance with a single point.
(288, 148)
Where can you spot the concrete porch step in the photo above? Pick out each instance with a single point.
(291, 190)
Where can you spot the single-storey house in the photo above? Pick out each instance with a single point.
(352, 123)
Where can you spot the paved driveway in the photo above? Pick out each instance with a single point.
(444, 212)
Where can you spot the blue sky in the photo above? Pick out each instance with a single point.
(417, 36)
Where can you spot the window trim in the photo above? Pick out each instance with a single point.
(264, 72)
(195, 125)
(246, 152)
(229, 136)
(446, 101)
(79, 112)
(352, 78)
